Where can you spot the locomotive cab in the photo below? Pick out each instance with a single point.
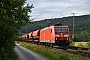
(62, 35)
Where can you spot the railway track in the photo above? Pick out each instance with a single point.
(79, 50)
(76, 50)
(73, 49)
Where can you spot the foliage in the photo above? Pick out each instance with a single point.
(12, 16)
(71, 42)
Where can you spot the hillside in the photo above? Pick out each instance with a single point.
(82, 25)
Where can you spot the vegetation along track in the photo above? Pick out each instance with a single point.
(72, 49)
(76, 50)
(79, 50)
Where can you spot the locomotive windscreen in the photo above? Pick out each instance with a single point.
(61, 30)
(57, 29)
(64, 30)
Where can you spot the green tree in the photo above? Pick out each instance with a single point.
(13, 15)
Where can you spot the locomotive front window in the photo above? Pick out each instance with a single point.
(64, 30)
(57, 29)
(61, 30)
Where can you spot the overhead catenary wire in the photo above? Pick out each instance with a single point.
(59, 12)
(40, 14)
(36, 16)
(67, 8)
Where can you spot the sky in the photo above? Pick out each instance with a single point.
(50, 9)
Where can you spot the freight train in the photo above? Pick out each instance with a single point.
(53, 35)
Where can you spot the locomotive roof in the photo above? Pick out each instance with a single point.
(53, 26)
(45, 28)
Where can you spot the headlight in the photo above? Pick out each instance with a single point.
(67, 38)
(57, 35)
(56, 38)
(66, 35)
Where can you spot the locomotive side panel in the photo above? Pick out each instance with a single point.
(52, 33)
(45, 35)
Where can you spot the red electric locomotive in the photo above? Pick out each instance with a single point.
(55, 35)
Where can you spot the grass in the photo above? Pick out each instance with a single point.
(50, 54)
(81, 44)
